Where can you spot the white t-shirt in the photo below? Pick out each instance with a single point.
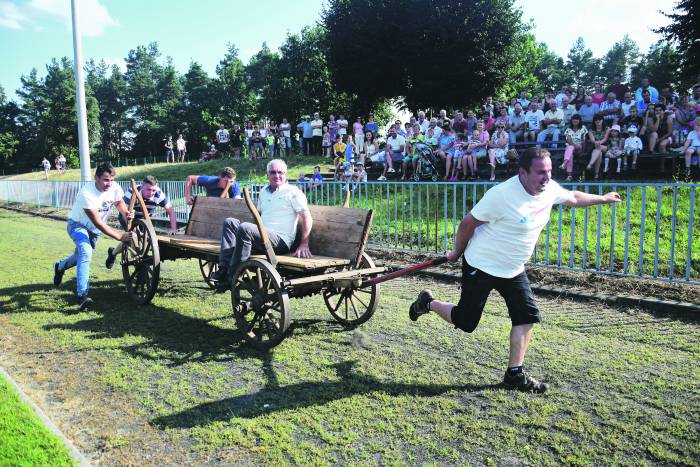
(342, 127)
(424, 125)
(222, 136)
(89, 197)
(284, 128)
(317, 131)
(694, 139)
(279, 209)
(396, 143)
(180, 144)
(503, 245)
(554, 115)
(533, 119)
(626, 107)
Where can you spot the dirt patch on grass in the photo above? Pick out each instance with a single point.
(591, 282)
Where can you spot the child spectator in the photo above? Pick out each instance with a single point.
(338, 155)
(459, 150)
(326, 142)
(316, 178)
(614, 151)
(632, 146)
(206, 156)
(360, 174)
(271, 139)
(431, 140)
(632, 119)
(350, 149)
(348, 171)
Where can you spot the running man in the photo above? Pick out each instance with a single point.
(496, 239)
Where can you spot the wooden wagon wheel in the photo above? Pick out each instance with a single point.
(209, 268)
(141, 263)
(260, 304)
(353, 306)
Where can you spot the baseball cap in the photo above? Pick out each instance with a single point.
(632, 129)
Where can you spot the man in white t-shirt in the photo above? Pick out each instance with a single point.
(86, 220)
(496, 239)
(286, 133)
(283, 208)
(222, 138)
(317, 134)
(552, 122)
(393, 152)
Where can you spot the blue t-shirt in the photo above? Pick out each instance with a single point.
(446, 140)
(210, 183)
(306, 129)
(373, 127)
(588, 111)
(317, 178)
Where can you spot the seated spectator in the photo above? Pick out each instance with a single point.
(627, 104)
(395, 146)
(209, 155)
(575, 135)
(644, 103)
(587, 111)
(632, 147)
(645, 86)
(684, 119)
(460, 124)
(348, 171)
(564, 92)
(437, 130)
(615, 144)
(511, 106)
(471, 122)
(316, 178)
(650, 127)
(632, 119)
(372, 151)
(568, 110)
(533, 119)
(667, 97)
(488, 107)
(410, 162)
(431, 140)
(489, 121)
(598, 95)
(598, 137)
(578, 99)
(446, 148)
(523, 100)
(516, 124)
(665, 131)
(423, 122)
(691, 147)
(477, 147)
(338, 154)
(503, 117)
(360, 174)
(498, 148)
(695, 99)
(610, 109)
(617, 87)
(552, 121)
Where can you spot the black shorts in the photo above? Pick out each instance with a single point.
(476, 287)
(222, 147)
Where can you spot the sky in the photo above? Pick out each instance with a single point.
(34, 31)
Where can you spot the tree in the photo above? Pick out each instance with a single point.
(197, 106)
(585, 69)
(620, 59)
(662, 65)
(684, 32)
(9, 141)
(235, 101)
(426, 57)
(110, 88)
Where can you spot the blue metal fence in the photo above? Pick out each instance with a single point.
(653, 233)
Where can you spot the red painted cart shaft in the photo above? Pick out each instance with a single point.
(408, 270)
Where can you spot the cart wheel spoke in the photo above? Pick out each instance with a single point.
(360, 303)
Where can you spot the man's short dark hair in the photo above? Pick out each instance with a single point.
(228, 172)
(105, 167)
(317, 167)
(151, 180)
(525, 161)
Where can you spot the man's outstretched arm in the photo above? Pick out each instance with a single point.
(580, 199)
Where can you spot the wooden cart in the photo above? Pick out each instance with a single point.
(261, 289)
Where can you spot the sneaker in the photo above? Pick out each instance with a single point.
(84, 303)
(57, 274)
(390, 170)
(524, 382)
(381, 178)
(223, 286)
(109, 262)
(220, 275)
(420, 306)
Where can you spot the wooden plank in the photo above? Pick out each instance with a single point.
(365, 238)
(335, 275)
(316, 262)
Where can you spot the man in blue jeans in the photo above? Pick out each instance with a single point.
(86, 221)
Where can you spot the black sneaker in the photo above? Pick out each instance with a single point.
(109, 262)
(57, 274)
(220, 275)
(420, 306)
(524, 382)
(84, 303)
(223, 286)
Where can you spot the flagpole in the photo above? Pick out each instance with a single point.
(83, 141)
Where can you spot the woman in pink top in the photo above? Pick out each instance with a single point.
(598, 95)
(358, 130)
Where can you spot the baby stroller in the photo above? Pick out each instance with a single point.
(428, 163)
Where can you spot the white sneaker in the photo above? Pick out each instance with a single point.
(381, 178)
(390, 170)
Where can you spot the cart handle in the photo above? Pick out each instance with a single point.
(269, 252)
(410, 269)
(132, 202)
(225, 193)
(135, 193)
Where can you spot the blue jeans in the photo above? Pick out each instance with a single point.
(85, 242)
(553, 132)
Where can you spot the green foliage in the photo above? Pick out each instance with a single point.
(584, 68)
(684, 32)
(235, 101)
(621, 57)
(662, 65)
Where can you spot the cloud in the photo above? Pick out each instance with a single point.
(95, 17)
(11, 16)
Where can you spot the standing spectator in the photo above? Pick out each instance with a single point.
(181, 146)
(691, 147)
(587, 111)
(446, 143)
(533, 119)
(423, 122)
(222, 139)
(342, 126)
(568, 110)
(575, 136)
(46, 165)
(610, 109)
(86, 221)
(306, 135)
(317, 129)
(169, 154)
(62, 164)
(598, 136)
(553, 119)
(237, 138)
(358, 131)
(332, 127)
(372, 126)
(271, 140)
(249, 137)
(579, 98)
(257, 144)
(598, 95)
(395, 146)
(516, 124)
(653, 92)
(627, 104)
(327, 142)
(286, 133)
(524, 101)
(350, 149)
(615, 145)
(617, 87)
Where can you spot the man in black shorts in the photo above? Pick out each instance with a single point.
(496, 239)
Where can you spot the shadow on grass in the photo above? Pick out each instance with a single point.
(274, 397)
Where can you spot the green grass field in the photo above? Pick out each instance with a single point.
(623, 382)
(24, 440)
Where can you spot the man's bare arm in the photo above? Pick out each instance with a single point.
(580, 199)
(189, 181)
(104, 228)
(305, 224)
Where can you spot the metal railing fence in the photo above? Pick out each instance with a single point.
(654, 233)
